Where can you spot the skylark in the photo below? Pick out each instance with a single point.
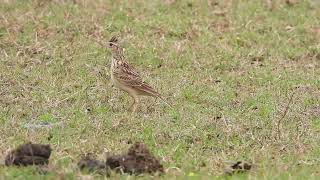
(124, 76)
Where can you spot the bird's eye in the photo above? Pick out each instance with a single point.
(110, 44)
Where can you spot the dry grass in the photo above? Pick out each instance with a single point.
(228, 68)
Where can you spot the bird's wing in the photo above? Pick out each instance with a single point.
(127, 69)
(131, 78)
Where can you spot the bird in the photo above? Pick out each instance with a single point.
(126, 78)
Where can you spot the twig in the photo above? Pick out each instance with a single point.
(284, 115)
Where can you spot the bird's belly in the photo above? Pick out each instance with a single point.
(127, 89)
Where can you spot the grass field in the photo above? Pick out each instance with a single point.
(243, 77)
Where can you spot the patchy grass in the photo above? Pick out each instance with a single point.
(229, 69)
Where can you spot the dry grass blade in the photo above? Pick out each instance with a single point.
(284, 115)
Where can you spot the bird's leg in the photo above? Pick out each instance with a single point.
(135, 104)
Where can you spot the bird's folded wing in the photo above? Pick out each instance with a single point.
(127, 69)
(137, 83)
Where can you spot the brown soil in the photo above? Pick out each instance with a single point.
(92, 165)
(238, 167)
(29, 154)
(138, 160)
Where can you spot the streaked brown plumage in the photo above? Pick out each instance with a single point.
(126, 78)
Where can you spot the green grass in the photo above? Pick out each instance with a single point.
(228, 75)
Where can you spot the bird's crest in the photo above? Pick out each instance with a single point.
(114, 39)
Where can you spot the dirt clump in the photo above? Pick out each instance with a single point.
(29, 154)
(92, 165)
(238, 167)
(137, 160)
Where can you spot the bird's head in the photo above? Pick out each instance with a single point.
(116, 50)
(113, 43)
